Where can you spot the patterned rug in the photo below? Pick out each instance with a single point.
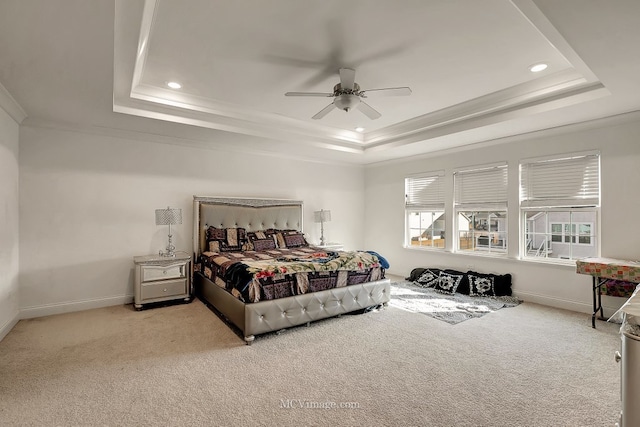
(452, 309)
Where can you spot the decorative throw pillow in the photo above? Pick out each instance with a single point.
(481, 286)
(235, 238)
(259, 240)
(448, 283)
(415, 273)
(226, 239)
(291, 239)
(263, 244)
(463, 286)
(261, 234)
(501, 282)
(428, 278)
(214, 246)
(215, 233)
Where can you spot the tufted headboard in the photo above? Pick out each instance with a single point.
(250, 214)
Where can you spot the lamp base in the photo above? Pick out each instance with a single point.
(170, 249)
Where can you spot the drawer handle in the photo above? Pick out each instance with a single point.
(164, 290)
(164, 271)
(618, 357)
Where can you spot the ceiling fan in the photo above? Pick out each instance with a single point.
(347, 95)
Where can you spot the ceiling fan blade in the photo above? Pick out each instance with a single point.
(324, 111)
(390, 91)
(308, 94)
(347, 78)
(368, 110)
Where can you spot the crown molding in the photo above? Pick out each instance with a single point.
(557, 90)
(199, 141)
(11, 106)
(609, 121)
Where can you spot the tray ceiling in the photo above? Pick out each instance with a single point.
(466, 62)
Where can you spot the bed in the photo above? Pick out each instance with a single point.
(259, 288)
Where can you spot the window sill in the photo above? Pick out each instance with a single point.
(426, 248)
(547, 261)
(550, 261)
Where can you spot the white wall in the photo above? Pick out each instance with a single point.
(619, 143)
(9, 305)
(87, 206)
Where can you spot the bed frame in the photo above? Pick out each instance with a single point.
(273, 315)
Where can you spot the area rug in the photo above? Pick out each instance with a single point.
(452, 309)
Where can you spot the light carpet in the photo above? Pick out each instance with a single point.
(453, 309)
(180, 365)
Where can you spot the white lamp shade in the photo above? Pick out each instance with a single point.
(322, 216)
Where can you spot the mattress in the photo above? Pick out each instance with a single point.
(253, 276)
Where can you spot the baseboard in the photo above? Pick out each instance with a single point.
(71, 306)
(8, 326)
(579, 307)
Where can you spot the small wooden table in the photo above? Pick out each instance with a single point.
(603, 269)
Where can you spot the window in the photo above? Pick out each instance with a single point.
(480, 197)
(564, 232)
(424, 210)
(559, 200)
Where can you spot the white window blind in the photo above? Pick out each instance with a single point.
(571, 181)
(481, 188)
(425, 191)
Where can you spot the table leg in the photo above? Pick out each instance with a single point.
(595, 308)
(597, 300)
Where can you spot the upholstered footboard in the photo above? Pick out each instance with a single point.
(273, 315)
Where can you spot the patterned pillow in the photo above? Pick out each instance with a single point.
(261, 234)
(215, 233)
(501, 282)
(226, 239)
(448, 283)
(261, 237)
(481, 286)
(428, 278)
(291, 239)
(263, 244)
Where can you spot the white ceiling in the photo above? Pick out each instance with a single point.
(466, 61)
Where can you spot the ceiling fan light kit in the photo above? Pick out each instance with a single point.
(347, 95)
(346, 102)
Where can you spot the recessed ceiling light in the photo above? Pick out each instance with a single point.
(359, 129)
(174, 85)
(536, 68)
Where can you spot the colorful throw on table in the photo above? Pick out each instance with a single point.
(608, 268)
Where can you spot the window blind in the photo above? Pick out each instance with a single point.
(572, 181)
(481, 188)
(425, 191)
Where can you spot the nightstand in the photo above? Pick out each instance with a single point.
(159, 278)
(332, 246)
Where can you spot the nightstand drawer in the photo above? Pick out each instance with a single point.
(151, 273)
(159, 278)
(164, 289)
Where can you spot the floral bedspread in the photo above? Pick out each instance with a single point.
(253, 276)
